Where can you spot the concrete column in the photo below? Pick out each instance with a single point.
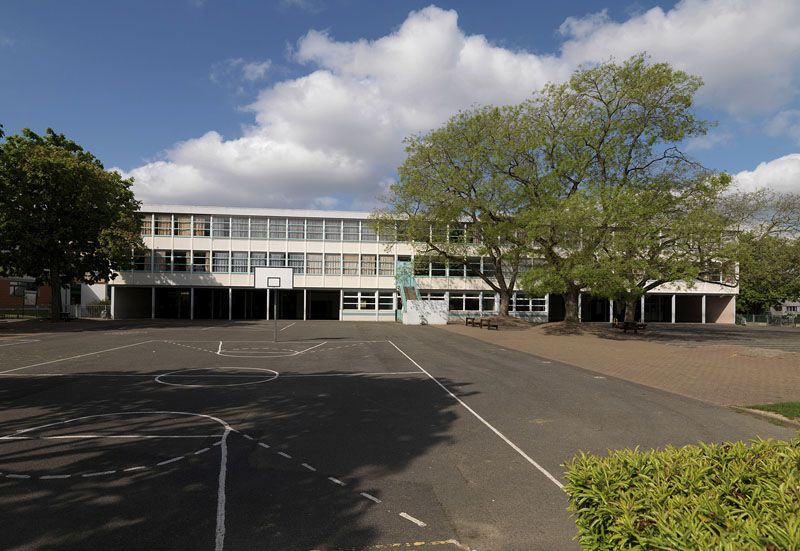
(230, 303)
(547, 306)
(341, 304)
(305, 304)
(704, 309)
(113, 301)
(191, 303)
(611, 310)
(580, 302)
(642, 308)
(152, 303)
(674, 303)
(268, 294)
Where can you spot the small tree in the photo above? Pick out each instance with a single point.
(63, 217)
(455, 197)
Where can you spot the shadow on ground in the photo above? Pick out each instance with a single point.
(359, 431)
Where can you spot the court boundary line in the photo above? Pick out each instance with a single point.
(76, 357)
(503, 437)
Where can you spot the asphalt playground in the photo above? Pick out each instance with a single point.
(339, 436)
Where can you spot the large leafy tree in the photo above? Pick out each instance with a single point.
(63, 217)
(592, 144)
(456, 199)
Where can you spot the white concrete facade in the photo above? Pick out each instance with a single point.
(199, 254)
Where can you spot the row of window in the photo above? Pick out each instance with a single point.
(368, 300)
(252, 227)
(242, 262)
(474, 301)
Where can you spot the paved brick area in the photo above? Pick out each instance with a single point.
(719, 364)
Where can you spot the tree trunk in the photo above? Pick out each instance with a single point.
(55, 295)
(571, 303)
(630, 308)
(505, 300)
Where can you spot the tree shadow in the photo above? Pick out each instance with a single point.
(363, 431)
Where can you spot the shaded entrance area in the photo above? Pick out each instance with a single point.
(290, 304)
(688, 309)
(322, 305)
(595, 308)
(249, 304)
(173, 303)
(210, 303)
(658, 308)
(132, 302)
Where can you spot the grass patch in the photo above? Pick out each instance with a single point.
(708, 496)
(787, 409)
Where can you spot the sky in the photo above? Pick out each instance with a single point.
(305, 103)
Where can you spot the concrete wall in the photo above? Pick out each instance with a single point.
(92, 293)
(720, 310)
(428, 312)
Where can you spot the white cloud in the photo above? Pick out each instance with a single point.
(708, 141)
(336, 133)
(781, 175)
(786, 123)
(234, 69)
(310, 6)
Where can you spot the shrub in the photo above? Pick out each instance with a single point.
(707, 496)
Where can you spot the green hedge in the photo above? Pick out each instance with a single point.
(720, 496)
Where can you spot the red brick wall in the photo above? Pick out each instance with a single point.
(9, 301)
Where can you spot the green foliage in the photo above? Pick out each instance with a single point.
(63, 217)
(770, 271)
(720, 496)
(787, 409)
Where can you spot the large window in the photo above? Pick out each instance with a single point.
(259, 228)
(142, 262)
(314, 263)
(162, 261)
(200, 261)
(422, 266)
(180, 261)
(147, 225)
(240, 227)
(257, 259)
(522, 303)
(473, 266)
(386, 300)
(277, 260)
(359, 300)
(333, 264)
(239, 262)
(297, 228)
(202, 226)
(350, 231)
(350, 264)
(277, 228)
(368, 264)
(219, 261)
(488, 302)
(368, 232)
(456, 269)
(314, 228)
(386, 265)
(350, 300)
(431, 295)
(163, 224)
(438, 269)
(297, 262)
(333, 230)
(182, 225)
(221, 226)
(464, 301)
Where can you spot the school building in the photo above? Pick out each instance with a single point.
(202, 263)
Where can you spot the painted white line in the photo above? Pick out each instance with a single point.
(284, 454)
(312, 348)
(101, 473)
(359, 374)
(18, 476)
(202, 450)
(219, 542)
(336, 481)
(138, 468)
(270, 375)
(220, 347)
(370, 497)
(96, 436)
(217, 443)
(247, 436)
(412, 519)
(263, 445)
(76, 357)
(54, 476)
(288, 326)
(309, 467)
(17, 342)
(513, 446)
(168, 461)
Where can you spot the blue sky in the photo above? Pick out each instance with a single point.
(304, 103)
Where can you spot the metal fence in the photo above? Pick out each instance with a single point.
(97, 311)
(24, 313)
(789, 320)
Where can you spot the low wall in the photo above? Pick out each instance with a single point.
(425, 312)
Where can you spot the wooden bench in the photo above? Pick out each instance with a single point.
(490, 324)
(470, 321)
(634, 326)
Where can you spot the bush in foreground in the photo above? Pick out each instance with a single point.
(719, 496)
